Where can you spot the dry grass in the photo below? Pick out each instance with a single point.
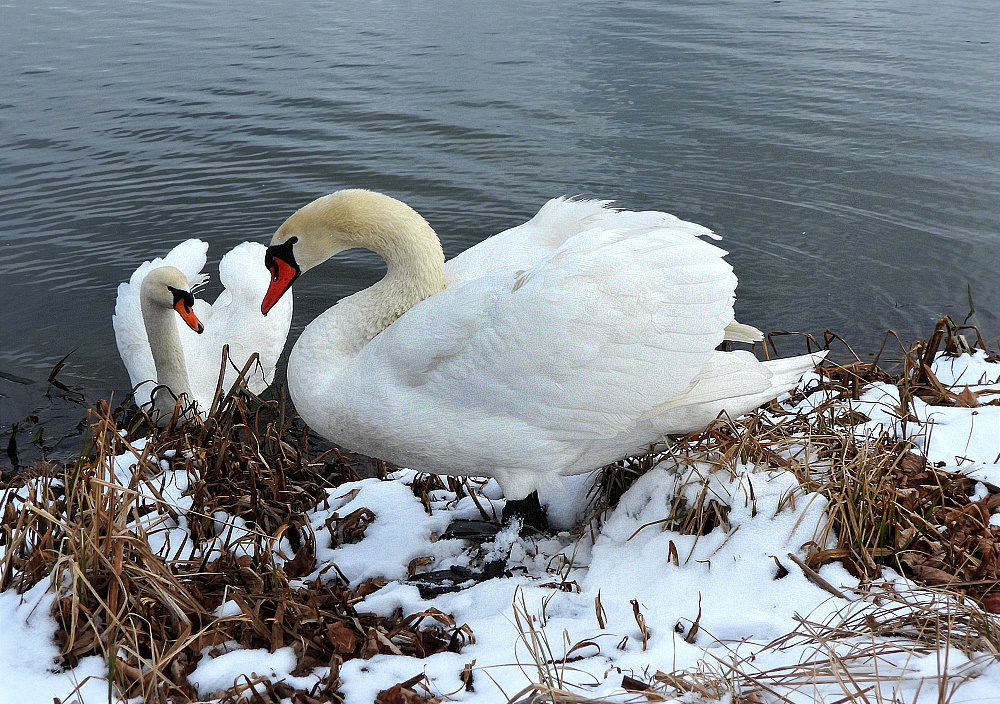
(152, 617)
(151, 614)
(887, 504)
(872, 650)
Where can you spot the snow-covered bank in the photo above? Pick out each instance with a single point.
(645, 608)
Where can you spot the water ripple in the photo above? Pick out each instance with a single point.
(846, 152)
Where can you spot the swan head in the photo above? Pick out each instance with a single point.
(167, 287)
(337, 222)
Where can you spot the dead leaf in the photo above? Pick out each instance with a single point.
(302, 564)
(343, 639)
(967, 398)
(404, 693)
(912, 463)
(991, 603)
(932, 575)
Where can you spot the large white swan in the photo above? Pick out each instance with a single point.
(159, 349)
(552, 348)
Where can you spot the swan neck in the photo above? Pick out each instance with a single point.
(356, 218)
(414, 271)
(168, 353)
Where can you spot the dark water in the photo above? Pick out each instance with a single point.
(849, 152)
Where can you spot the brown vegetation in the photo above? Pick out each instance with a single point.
(152, 618)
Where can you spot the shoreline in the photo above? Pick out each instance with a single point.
(55, 402)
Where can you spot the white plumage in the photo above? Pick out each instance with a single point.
(556, 347)
(234, 319)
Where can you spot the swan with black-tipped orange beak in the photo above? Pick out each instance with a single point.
(164, 293)
(157, 317)
(553, 348)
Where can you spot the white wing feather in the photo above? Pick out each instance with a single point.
(630, 317)
(238, 322)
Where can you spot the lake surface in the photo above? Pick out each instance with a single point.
(848, 152)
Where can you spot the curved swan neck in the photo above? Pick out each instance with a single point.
(414, 270)
(168, 354)
(390, 228)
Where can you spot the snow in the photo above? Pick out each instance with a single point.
(214, 674)
(29, 657)
(640, 598)
(951, 436)
(402, 537)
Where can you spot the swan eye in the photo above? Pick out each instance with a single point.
(184, 305)
(181, 297)
(279, 256)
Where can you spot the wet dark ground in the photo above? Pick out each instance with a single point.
(43, 420)
(51, 419)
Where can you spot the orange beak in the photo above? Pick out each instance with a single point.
(184, 305)
(283, 274)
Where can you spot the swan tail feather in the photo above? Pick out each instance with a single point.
(738, 332)
(733, 383)
(787, 372)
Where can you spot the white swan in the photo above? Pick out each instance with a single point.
(552, 348)
(158, 348)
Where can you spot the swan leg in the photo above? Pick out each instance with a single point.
(528, 511)
(469, 529)
(453, 579)
(519, 517)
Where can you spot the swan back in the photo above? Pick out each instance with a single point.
(556, 222)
